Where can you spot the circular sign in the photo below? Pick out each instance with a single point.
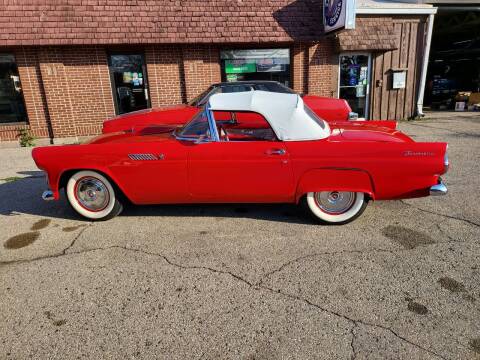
(333, 10)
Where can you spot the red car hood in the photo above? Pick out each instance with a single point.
(361, 131)
(171, 115)
(136, 134)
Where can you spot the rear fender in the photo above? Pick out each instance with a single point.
(391, 124)
(338, 179)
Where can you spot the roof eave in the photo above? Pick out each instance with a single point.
(407, 10)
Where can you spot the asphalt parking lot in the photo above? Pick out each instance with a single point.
(245, 281)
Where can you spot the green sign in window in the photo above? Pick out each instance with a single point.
(236, 67)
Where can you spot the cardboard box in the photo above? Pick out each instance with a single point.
(474, 98)
(460, 106)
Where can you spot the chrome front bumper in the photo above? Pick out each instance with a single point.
(439, 189)
(47, 195)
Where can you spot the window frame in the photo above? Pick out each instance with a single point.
(141, 52)
(212, 126)
(249, 141)
(25, 120)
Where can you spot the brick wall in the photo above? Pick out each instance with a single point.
(299, 67)
(322, 69)
(176, 74)
(77, 88)
(165, 74)
(201, 68)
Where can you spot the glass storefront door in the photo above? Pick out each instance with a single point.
(354, 82)
(256, 64)
(12, 107)
(129, 82)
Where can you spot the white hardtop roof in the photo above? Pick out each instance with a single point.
(285, 113)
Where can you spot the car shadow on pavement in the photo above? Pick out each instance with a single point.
(269, 212)
(24, 196)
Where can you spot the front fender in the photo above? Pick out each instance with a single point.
(58, 160)
(338, 179)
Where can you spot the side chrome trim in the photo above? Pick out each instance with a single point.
(195, 140)
(142, 157)
(47, 195)
(439, 189)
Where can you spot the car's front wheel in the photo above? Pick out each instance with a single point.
(93, 196)
(336, 207)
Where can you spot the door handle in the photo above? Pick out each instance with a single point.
(275, 152)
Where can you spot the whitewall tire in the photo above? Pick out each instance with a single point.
(336, 207)
(92, 195)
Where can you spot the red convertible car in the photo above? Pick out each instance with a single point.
(328, 109)
(252, 147)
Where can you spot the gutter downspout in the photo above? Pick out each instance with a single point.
(423, 76)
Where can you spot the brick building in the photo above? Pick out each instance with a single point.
(65, 66)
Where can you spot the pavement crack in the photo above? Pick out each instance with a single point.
(53, 256)
(64, 252)
(192, 267)
(397, 335)
(309, 256)
(440, 214)
(355, 322)
(352, 342)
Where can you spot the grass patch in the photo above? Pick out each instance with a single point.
(11, 179)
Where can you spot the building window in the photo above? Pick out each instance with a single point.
(256, 64)
(12, 105)
(129, 82)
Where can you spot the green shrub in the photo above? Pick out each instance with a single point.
(11, 179)
(25, 138)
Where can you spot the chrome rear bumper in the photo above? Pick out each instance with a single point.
(439, 189)
(47, 195)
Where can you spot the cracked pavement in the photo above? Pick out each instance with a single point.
(245, 281)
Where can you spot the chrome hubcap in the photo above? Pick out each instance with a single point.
(92, 194)
(335, 202)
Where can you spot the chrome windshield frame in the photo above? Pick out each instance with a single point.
(211, 122)
(214, 136)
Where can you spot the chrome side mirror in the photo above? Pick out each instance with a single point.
(352, 116)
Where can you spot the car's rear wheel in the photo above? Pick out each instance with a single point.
(93, 196)
(336, 207)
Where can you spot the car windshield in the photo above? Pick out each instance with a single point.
(197, 127)
(201, 98)
(273, 87)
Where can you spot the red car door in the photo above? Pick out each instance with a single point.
(153, 170)
(240, 171)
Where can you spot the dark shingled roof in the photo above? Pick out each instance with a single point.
(371, 33)
(61, 22)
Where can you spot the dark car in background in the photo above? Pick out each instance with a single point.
(329, 109)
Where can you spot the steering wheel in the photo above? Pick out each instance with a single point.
(223, 133)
